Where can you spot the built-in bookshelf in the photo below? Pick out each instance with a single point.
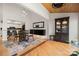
(62, 29)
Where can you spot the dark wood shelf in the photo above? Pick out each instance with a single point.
(62, 34)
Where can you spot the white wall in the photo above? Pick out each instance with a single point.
(37, 8)
(1, 14)
(15, 12)
(78, 27)
(33, 17)
(73, 24)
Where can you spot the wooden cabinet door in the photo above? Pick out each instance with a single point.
(62, 29)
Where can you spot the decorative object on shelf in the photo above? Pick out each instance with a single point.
(58, 27)
(64, 27)
(57, 5)
(38, 24)
(58, 23)
(64, 22)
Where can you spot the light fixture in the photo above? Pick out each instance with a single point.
(58, 23)
(57, 5)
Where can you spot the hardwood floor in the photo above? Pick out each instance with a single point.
(52, 48)
(3, 50)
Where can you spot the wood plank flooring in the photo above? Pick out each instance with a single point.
(52, 48)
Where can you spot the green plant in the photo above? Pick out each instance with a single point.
(75, 53)
(52, 35)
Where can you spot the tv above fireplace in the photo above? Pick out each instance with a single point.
(37, 32)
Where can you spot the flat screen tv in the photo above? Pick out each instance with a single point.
(37, 32)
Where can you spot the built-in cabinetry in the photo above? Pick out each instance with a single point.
(62, 29)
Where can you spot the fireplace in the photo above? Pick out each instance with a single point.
(38, 32)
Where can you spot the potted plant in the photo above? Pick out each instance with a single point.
(75, 53)
(52, 37)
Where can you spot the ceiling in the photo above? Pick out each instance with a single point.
(66, 8)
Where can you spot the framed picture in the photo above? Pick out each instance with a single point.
(38, 24)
